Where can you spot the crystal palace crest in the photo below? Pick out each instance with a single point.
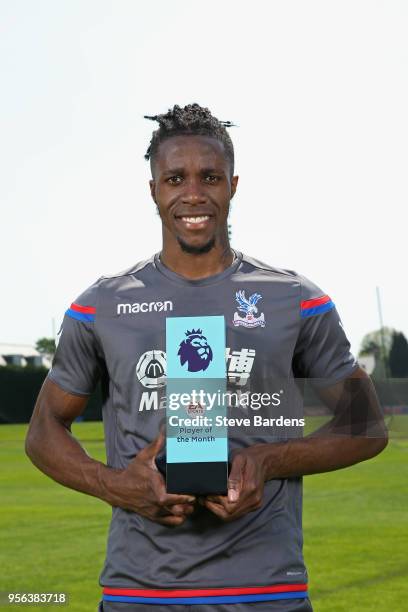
(248, 306)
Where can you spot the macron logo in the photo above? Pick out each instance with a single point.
(144, 307)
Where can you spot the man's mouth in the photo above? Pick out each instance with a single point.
(194, 221)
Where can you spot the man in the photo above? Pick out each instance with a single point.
(240, 552)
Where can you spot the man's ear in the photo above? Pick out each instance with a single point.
(234, 183)
(153, 189)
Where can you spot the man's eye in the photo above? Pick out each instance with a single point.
(175, 180)
(211, 178)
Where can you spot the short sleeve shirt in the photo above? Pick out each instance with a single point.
(279, 326)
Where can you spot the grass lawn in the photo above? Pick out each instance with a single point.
(355, 528)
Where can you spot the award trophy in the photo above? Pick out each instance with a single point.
(196, 459)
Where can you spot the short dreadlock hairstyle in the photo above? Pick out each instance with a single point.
(192, 120)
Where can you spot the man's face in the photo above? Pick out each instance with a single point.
(192, 188)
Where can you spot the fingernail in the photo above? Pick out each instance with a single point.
(233, 495)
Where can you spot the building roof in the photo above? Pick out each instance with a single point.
(25, 350)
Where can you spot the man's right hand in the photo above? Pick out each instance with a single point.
(141, 488)
(56, 452)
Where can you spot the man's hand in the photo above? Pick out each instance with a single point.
(355, 433)
(245, 485)
(56, 452)
(141, 488)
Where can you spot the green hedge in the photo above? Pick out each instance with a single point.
(19, 388)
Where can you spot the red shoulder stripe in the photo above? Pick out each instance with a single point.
(314, 302)
(83, 309)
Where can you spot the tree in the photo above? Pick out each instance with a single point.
(372, 344)
(45, 346)
(398, 358)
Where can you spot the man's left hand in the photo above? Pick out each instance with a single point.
(245, 485)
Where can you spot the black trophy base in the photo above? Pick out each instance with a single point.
(207, 478)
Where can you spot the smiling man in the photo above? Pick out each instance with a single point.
(241, 552)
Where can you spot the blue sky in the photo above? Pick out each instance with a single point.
(318, 89)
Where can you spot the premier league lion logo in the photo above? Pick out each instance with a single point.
(196, 351)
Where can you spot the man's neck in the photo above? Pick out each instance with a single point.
(196, 266)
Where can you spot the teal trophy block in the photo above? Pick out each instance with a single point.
(196, 459)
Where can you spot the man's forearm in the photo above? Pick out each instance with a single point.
(312, 454)
(54, 450)
(355, 433)
(138, 488)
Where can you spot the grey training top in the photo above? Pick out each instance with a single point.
(115, 332)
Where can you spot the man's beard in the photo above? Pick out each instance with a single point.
(196, 250)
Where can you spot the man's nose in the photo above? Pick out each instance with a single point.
(193, 192)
